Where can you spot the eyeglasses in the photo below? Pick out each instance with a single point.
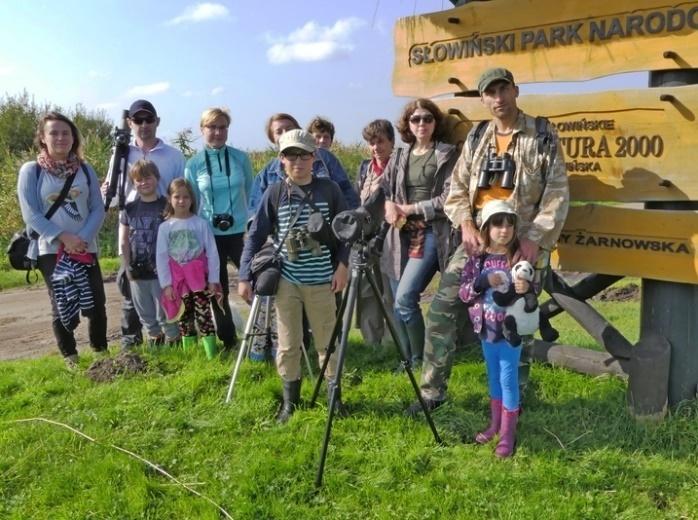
(426, 119)
(213, 128)
(294, 156)
(140, 120)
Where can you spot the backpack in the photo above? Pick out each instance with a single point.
(544, 138)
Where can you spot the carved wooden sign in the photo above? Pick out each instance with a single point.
(629, 146)
(541, 40)
(654, 244)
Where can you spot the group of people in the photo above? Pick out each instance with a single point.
(468, 214)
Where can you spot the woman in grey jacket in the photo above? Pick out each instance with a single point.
(71, 232)
(416, 183)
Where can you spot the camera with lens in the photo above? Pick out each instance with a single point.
(497, 165)
(298, 240)
(141, 270)
(223, 221)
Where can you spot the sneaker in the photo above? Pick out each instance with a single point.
(154, 342)
(258, 352)
(415, 408)
(71, 362)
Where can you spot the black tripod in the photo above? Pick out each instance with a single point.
(360, 267)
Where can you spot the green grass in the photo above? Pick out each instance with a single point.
(580, 455)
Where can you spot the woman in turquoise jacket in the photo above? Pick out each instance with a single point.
(222, 180)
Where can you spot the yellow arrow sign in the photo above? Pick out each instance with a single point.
(541, 40)
(654, 244)
(628, 146)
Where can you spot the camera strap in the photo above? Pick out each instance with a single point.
(210, 176)
(296, 215)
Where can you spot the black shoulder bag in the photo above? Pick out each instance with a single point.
(18, 247)
(266, 264)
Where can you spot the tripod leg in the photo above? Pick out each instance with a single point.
(330, 347)
(307, 361)
(343, 319)
(244, 346)
(405, 361)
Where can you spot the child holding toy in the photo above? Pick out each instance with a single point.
(188, 267)
(483, 274)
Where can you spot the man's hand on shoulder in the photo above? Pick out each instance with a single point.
(472, 241)
(528, 250)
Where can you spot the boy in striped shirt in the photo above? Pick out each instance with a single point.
(311, 271)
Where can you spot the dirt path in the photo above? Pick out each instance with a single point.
(25, 321)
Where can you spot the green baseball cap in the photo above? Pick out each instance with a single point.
(491, 75)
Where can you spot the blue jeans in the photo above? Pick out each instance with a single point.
(407, 291)
(502, 361)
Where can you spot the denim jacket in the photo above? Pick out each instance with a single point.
(325, 165)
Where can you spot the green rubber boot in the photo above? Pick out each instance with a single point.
(188, 343)
(210, 348)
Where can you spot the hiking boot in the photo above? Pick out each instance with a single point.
(415, 408)
(71, 362)
(292, 398)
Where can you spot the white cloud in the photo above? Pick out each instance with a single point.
(106, 106)
(6, 70)
(200, 13)
(148, 90)
(313, 42)
(217, 90)
(187, 93)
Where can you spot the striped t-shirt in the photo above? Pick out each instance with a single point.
(307, 269)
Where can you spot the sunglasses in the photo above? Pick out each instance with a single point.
(140, 120)
(294, 156)
(426, 119)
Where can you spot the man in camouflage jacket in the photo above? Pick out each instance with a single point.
(540, 197)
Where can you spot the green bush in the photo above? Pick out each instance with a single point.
(18, 119)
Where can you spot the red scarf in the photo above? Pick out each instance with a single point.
(61, 169)
(377, 168)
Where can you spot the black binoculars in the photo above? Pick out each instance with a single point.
(496, 165)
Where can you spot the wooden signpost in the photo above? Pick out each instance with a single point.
(541, 40)
(633, 146)
(624, 146)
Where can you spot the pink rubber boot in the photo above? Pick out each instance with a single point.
(507, 434)
(495, 422)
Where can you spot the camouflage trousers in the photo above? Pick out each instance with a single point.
(445, 312)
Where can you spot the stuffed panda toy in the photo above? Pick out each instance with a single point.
(522, 312)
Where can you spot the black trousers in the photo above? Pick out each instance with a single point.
(97, 328)
(131, 327)
(229, 248)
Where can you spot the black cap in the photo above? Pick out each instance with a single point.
(141, 105)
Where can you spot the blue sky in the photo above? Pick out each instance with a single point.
(256, 57)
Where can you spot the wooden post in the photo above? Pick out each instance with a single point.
(670, 309)
(649, 378)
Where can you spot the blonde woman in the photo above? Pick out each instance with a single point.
(221, 177)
